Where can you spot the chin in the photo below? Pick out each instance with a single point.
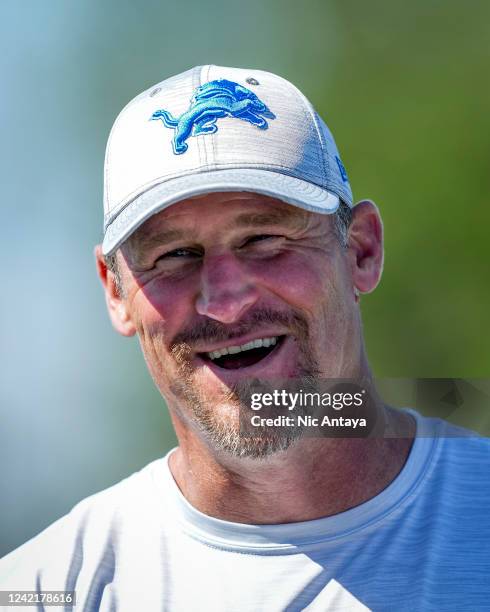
(233, 443)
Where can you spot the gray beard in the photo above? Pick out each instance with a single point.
(229, 433)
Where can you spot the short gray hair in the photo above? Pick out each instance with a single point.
(342, 220)
(113, 266)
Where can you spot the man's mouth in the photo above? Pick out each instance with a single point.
(245, 355)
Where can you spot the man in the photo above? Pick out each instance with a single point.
(233, 250)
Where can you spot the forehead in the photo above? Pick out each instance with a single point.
(218, 213)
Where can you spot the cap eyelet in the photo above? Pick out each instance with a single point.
(155, 91)
(252, 81)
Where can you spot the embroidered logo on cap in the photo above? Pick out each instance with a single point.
(342, 170)
(210, 102)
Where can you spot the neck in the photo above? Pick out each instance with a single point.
(314, 478)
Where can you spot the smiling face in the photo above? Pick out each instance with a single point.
(228, 288)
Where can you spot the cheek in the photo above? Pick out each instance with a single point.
(304, 281)
(161, 308)
(159, 314)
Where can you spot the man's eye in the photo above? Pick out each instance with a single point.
(260, 238)
(179, 254)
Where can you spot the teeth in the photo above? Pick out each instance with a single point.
(233, 350)
(248, 346)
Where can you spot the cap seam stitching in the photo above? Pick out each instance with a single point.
(196, 82)
(208, 143)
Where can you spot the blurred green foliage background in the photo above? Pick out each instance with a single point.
(404, 87)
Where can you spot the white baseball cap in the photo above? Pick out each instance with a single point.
(213, 129)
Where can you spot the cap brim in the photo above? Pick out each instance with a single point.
(162, 195)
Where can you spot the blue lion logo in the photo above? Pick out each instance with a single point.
(211, 102)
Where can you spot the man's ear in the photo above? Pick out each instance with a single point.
(116, 304)
(366, 246)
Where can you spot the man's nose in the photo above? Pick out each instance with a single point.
(227, 291)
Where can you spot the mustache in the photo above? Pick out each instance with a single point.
(209, 330)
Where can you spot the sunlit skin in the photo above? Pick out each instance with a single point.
(222, 258)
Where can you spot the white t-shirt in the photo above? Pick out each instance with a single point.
(421, 544)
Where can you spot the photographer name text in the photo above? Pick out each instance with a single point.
(306, 421)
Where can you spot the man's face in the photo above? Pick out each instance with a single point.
(222, 271)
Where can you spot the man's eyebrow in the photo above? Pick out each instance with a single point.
(152, 241)
(289, 218)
